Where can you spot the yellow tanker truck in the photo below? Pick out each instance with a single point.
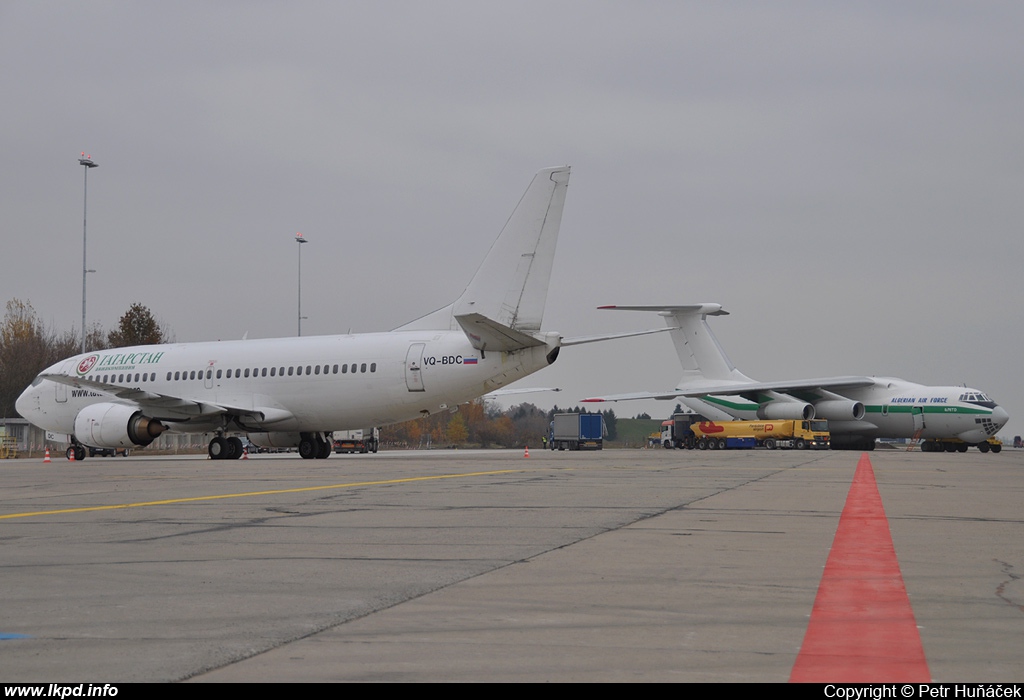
(771, 434)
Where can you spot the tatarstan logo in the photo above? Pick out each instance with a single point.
(87, 364)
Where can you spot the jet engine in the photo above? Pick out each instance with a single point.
(115, 425)
(838, 409)
(785, 410)
(782, 407)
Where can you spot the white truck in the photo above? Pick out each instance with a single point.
(362, 441)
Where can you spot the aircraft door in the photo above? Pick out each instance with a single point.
(208, 377)
(414, 367)
(62, 389)
(918, 414)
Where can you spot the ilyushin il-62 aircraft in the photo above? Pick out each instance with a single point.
(858, 409)
(294, 392)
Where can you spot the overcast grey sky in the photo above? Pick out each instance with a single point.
(845, 178)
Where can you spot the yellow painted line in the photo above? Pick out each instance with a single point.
(193, 499)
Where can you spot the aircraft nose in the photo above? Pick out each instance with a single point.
(27, 404)
(24, 404)
(1000, 416)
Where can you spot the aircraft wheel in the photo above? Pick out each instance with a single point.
(308, 449)
(323, 450)
(996, 449)
(235, 448)
(983, 447)
(218, 448)
(950, 447)
(125, 452)
(962, 447)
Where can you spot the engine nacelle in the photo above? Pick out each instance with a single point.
(838, 409)
(785, 410)
(115, 425)
(275, 439)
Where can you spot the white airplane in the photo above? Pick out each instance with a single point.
(294, 392)
(858, 409)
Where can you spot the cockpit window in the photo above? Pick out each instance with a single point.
(37, 381)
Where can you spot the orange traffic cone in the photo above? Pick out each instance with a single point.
(526, 455)
(245, 453)
(46, 457)
(71, 455)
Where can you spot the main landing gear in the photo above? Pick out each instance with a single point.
(315, 445)
(225, 448)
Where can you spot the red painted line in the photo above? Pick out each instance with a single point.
(862, 628)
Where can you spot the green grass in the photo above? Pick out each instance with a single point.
(633, 432)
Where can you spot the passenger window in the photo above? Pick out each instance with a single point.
(373, 366)
(273, 371)
(246, 372)
(263, 372)
(168, 377)
(317, 370)
(344, 369)
(219, 373)
(335, 369)
(309, 369)
(209, 374)
(362, 367)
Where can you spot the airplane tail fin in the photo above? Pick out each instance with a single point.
(511, 286)
(700, 353)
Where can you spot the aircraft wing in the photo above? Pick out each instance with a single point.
(783, 387)
(171, 408)
(566, 342)
(510, 392)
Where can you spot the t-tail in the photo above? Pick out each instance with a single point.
(700, 353)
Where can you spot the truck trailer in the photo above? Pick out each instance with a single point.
(362, 441)
(770, 434)
(576, 431)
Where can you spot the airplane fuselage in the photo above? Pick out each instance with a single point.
(313, 384)
(896, 408)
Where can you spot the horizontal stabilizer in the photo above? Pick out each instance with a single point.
(485, 334)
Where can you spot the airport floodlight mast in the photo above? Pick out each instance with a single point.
(87, 163)
(300, 240)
